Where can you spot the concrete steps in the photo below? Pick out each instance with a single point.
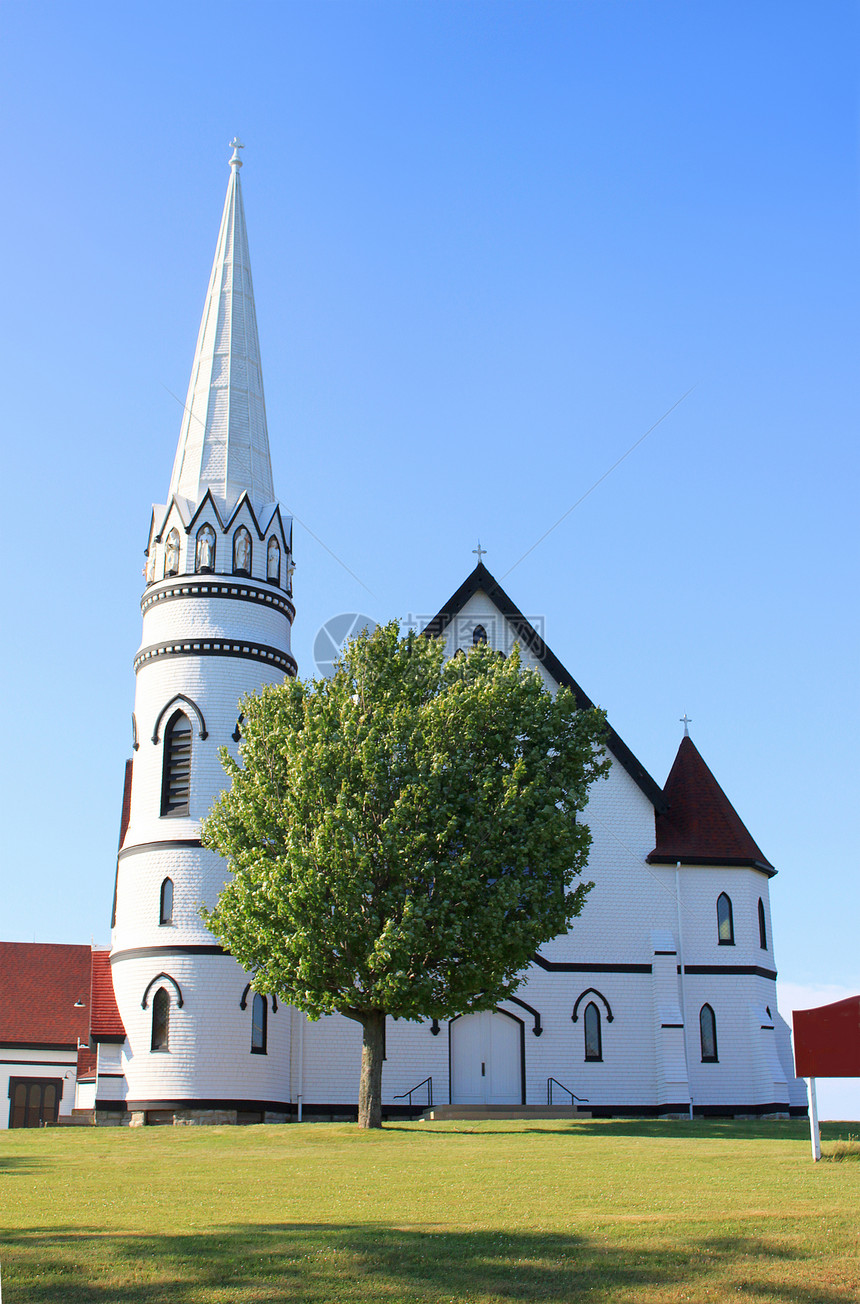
(477, 1112)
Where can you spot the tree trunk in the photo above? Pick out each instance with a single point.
(372, 1055)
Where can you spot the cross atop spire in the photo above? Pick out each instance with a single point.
(223, 440)
(686, 721)
(479, 552)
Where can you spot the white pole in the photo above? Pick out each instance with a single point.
(683, 992)
(814, 1133)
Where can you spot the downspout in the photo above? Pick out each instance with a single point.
(681, 968)
(301, 1066)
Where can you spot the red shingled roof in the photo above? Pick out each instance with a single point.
(86, 1064)
(106, 1022)
(701, 826)
(40, 984)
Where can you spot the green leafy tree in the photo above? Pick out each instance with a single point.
(404, 836)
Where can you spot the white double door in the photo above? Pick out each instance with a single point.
(486, 1060)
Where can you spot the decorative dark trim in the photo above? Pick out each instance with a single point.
(190, 1102)
(671, 1025)
(38, 1045)
(146, 952)
(109, 1075)
(167, 844)
(730, 862)
(232, 588)
(481, 580)
(537, 1029)
(665, 952)
(149, 986)
(565, 966)
(218, 647)
(189, 701)
(729, 968)
(592, 991)
(107, 1038)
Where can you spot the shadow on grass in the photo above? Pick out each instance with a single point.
(726, 1129)
(323, 1264)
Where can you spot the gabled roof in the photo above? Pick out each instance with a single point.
(700, 826)
(44, 994)
(224, 441)
(481, 581)
(107, 1023)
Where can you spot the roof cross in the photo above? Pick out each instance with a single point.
(686, 721)
(236, 145)
(479, 552)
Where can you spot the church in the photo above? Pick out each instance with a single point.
(662, 1001)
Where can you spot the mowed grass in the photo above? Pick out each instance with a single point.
(490, 1213)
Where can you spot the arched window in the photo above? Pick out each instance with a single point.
(160, 1020)
(762, 926)
(593, 1041)
(176, 766)
(479, 635)
(204, 555)
(165, 913)
(708, 1035)
(725, 926)
(171, 553)
(273, 561)
(259, 1012)
(242, 553)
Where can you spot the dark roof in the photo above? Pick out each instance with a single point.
(700, 825)
(107, 1024)
(482, 581)
(40, 987)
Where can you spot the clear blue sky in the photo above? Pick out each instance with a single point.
(492, 244)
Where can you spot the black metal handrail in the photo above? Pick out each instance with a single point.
(583, 1100)
(428, 1083)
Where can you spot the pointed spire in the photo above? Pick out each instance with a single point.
(223, 442)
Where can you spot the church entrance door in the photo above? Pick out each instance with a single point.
(487, 1059)
(34, 1101)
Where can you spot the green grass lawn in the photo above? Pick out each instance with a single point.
(439, 1212)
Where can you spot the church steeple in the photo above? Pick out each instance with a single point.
(224, 442)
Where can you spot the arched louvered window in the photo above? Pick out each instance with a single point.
(273, 561)
(204, 554)
(708, 1035)
(171, 553)
(160, 1021)
(593, 1040)
(242, 552)
(165, 913)
(259, 1014)
(762, 926)
(176, 766)
(479, 635)
(725, 925)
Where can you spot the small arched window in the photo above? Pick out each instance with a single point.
(160, 1020)
(242, 553)
(273, 561)
(259, 1012)
(762, 926)
(479, 635)
(171, 553)
(593, 1041)
(165, 913)
(176, 766)
(204, 555)
(725, 926)
(708, 1035)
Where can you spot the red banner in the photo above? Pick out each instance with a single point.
(827, 1040)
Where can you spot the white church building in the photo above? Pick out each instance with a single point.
(662, 1000)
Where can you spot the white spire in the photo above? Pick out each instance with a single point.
(224, 443)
